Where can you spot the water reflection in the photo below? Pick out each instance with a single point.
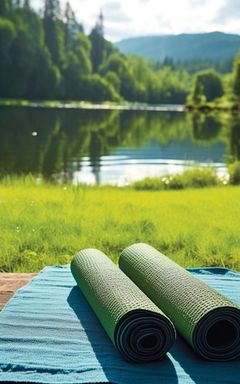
(112, 146)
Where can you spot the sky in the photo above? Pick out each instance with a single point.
(131, 18)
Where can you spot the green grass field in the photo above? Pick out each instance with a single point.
(47, 224)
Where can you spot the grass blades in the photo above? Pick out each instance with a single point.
(46, 224)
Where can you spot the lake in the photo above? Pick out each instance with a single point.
(113, 146)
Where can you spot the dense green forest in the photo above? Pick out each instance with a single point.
(192, 66)
(48, 56)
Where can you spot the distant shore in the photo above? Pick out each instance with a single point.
(226, 106)
(124, 106)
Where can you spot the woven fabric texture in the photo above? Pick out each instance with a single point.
(206, 319)
(138, 328)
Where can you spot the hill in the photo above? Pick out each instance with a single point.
(213, 46)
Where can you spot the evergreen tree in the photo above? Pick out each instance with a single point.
(52, 10)
(98, 44)
(71, 25)
(17, 3)
(54, 31)
(26, 4)
(198, 95)
(7, 36)
(168, 62)
(5, 6)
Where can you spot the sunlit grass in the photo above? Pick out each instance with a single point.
(192, 178)
(46, 224)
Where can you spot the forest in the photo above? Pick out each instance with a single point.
(48, 56)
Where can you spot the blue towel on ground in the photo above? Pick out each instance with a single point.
(49, 334)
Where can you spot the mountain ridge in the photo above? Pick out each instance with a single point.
(184, 46)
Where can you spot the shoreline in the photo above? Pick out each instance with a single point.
(211, 107)
(83, 105)
(125, 106)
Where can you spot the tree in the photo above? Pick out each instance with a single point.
(72, 27)
(45, 85)
(7, 34)
(25, 55)
(54, 31)
(96, 88)
(114, 80)
(17, 3)
(208, 83)
(26, 4)
(82, 41)
(52, 10)
(98, 44)
(236, 78)
(78, 66)
(198, 93)
(168, 62)
(5, 7)
(118, 64)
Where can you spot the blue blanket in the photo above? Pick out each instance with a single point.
(49, 334)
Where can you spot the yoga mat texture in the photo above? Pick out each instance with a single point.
(140, 331)
(207, 320)
(49, 334)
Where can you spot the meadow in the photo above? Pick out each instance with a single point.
(47, 224)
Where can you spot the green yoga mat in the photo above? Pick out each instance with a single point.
(208, 321)
(138, 328)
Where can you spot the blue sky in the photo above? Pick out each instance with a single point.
(129, 18)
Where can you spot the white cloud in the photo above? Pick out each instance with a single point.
(128, 18)
(230, 10)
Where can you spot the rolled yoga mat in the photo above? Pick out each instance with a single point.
(138, 328)
(205, 318)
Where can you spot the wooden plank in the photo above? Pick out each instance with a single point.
(10, 282)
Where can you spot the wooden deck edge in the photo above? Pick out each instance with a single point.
(10, 283)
